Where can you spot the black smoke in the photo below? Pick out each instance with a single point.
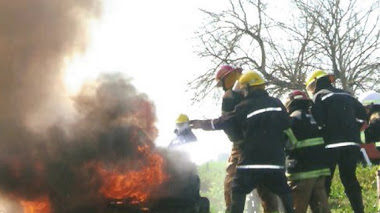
(51, 144)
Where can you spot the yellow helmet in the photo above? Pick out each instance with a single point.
(182, 118)
(251, 78)
(313, 76)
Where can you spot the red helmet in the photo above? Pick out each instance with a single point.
(296, 95)
(224, 71)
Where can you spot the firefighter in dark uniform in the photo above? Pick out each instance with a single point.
(306, 165)
(337, 113)
(226, 78)
(263, 120)
(371, 101)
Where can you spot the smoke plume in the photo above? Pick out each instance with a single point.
(35, 38)
(52, 164)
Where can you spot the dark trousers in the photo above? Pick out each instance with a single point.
(248, 179)
(267, 198)
(346, 158)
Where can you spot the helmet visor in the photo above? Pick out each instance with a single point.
(181, 127)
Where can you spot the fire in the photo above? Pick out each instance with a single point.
(135, 186)
(41, 205)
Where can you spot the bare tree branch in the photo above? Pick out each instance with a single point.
(340, 36)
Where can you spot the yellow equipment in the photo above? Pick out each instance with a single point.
(182, 118)
(251, 78)
(314, 76)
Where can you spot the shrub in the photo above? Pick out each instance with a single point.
(212, 181)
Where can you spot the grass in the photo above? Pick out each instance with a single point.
(212, 180)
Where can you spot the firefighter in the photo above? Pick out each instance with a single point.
(263, 120)
(306, 167)
(371, 101)
(337, 113)
(226, 77)
(183, 131)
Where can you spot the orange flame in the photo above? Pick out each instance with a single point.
(41, 205)
(133, 185)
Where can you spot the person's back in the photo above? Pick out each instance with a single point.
(263, 120)
(226, 78)
(306, 158)
(339, 114)
(264, 138)
(309, 151)
(340, 117)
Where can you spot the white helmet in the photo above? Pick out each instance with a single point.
(369, 98)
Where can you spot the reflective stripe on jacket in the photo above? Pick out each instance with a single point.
(260, 167)
(309, 174)
(338, 114)
(263, 120)
(307, 158)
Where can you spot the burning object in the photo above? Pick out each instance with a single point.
(177, 194)
(71, 155)
(136, 186)
(40, 205)
(105, 161)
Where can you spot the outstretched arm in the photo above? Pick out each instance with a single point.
(202, 124)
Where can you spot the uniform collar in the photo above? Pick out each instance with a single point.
(257, 93)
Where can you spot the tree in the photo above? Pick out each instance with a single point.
(322, 34)
(348, 35)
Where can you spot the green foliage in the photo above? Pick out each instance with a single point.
(212, 184)
(212, 181)
(367, 178)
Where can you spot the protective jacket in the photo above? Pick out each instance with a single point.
(307, 157)
(183, 137)
(263, 120)
(372, 133)
(340, 116)
(229, 102)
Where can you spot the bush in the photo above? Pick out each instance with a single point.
(367, 178)
(212, 180)
(212, 184)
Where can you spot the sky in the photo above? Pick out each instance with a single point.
(152, 42)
